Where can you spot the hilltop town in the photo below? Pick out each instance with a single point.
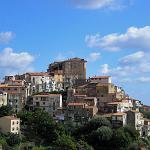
(67, 95)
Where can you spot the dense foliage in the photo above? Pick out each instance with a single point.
(40, 132)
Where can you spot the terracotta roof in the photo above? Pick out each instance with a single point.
(45, 95)
(9, 86)
(146, 106)
(118, 114)
(114, 103)
(11, 117)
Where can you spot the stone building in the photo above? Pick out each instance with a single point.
(146, 128)
(9, 124)
(41, 82)
(100, 79)
(16, 96)
(120, 106)
(119, 119)
(69, 71)
(135, 119)
(47, 102)
(79, 113)
(103, 90)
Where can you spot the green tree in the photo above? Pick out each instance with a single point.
(13, 139)
(5, 111)
(4, 143)
(39, 148)
(92, 125)
(81, 145)
(120, 140)
(64, 142)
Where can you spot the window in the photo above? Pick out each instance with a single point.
(33, 80)
(102, 95)
(37, 104)
(17, 122)
(17, 128)
(13, 123)
(53, 105)
(43, 103)
(13, 129)
(15, 89)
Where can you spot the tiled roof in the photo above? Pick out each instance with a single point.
(118, 114)
(146, 106)
(9, 86)
(114, 103)
(45, 95)
(11, 117)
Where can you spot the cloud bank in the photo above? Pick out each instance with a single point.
(100, 4)
(12, 62)
(133, 38)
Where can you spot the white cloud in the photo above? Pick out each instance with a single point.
(143, 79)
(12, 63)
(94, 56)
(104, 69)
(5, 37)
(132, 68)
(100, 4)
(134, 38)
(133, 57)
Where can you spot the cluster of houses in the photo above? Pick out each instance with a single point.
(84, 99)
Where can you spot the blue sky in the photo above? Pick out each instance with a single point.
(113, 35)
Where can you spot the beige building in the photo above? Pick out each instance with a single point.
(3, 98)
(69, 71)
(135, 119)
(79, 112)
(42, 82)
(16, 95)
(9, 124)
(146, 128)
(120, 106)
(100, 79)
(119, 119)
(103, 90)
(47, 102)
(145, 108)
